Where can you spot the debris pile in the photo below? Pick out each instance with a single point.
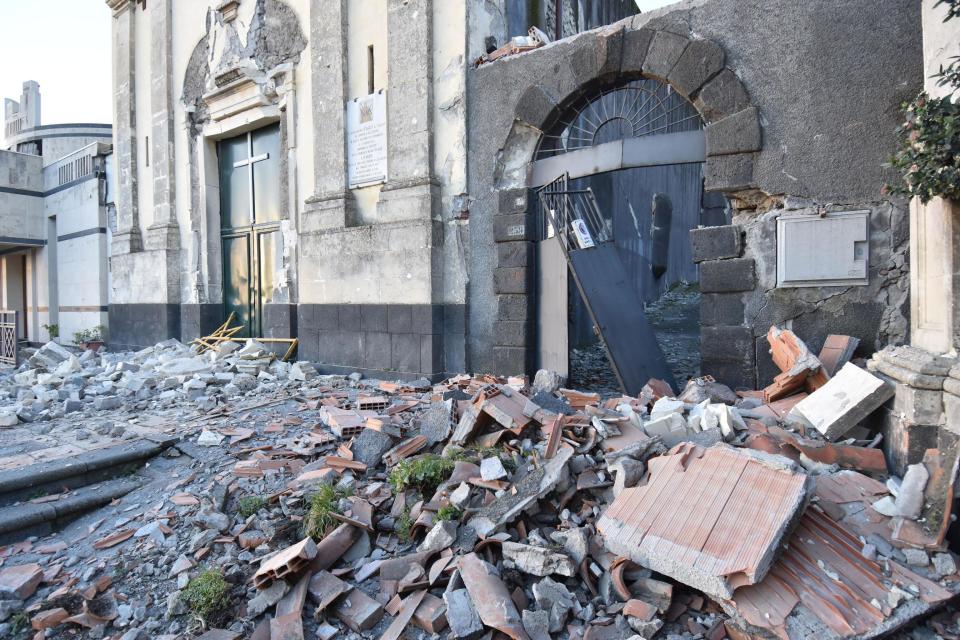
(482, 506)
(55, 381)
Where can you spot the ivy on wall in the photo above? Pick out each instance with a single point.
(928, 160)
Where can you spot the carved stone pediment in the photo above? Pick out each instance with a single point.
(238, 95)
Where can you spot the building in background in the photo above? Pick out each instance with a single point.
(54, 232)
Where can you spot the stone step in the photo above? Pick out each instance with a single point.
(23, 520)
(72, 472)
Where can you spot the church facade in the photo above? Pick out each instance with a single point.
(345, 172)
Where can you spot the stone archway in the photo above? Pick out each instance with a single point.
(694, 68)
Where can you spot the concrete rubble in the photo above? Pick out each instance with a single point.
(280, 503)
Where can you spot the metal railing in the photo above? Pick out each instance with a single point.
(564, 211)
(73, 166)
(8, 337)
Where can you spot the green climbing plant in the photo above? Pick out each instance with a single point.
(928, 158)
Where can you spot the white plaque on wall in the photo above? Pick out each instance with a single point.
(367, 140)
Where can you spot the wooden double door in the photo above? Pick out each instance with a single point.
(250, 211)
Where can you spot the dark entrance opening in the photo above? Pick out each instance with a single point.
(250, 236)
(637, 150)
(650, 211)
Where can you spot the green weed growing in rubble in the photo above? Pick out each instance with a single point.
(19, 621)
(323, 504)
(249, 505)
(424, 473)
(403, 526)
(449, 512)
(207, 594)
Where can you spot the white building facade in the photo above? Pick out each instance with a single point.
(54, 221)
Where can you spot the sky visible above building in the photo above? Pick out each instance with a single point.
(650, 5)
(65, 46)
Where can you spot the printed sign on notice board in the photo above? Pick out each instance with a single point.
(367, 140)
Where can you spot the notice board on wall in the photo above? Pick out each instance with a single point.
(367, 140)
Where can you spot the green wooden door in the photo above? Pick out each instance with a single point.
(250, 223)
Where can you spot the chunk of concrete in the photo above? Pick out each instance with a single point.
(435, 422)
(538, 561)
(576, 542)
(845, 400)
(554, 597)
(546, 381)
(536, 624)
(462, 617)
(492, 469)
(908, 502)
(369, 446)
(671, 427)
(443, 534)
(266, 598)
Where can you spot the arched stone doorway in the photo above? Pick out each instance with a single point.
(691, 73)
(632, 154)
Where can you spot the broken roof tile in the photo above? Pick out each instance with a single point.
(490, 597)
(688, 520)
(839, 592)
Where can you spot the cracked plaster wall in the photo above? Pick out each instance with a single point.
(877, 313)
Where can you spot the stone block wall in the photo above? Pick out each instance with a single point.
(726, 345)
(513, 233)
(383, 340)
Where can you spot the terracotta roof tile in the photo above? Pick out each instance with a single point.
(710, 518)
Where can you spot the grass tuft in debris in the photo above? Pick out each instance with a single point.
(249, 505)
(424, 473)
(323, 504)
(19, 621)
(403, 526)
(449, 512)
(207, 595)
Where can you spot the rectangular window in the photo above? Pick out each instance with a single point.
(370, 69)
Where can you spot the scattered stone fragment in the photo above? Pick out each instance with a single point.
(441, 536)
(536, 624)
(492, 469)
(462, 617)
(538, 561)
(266, 598)
(916, 557)
(20, 581)
(945, 564)
(369, 446)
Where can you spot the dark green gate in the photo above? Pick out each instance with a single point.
(250, 223)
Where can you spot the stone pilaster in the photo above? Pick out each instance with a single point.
(331, 206)
(127, 238)
(411, 190)
(163, 233)
(913, 420)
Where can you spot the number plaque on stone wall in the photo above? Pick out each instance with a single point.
(367, 140)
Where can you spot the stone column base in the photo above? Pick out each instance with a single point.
(913, 420)
(137, 326)
(199, 319)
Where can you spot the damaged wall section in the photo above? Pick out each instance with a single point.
(818, 142)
